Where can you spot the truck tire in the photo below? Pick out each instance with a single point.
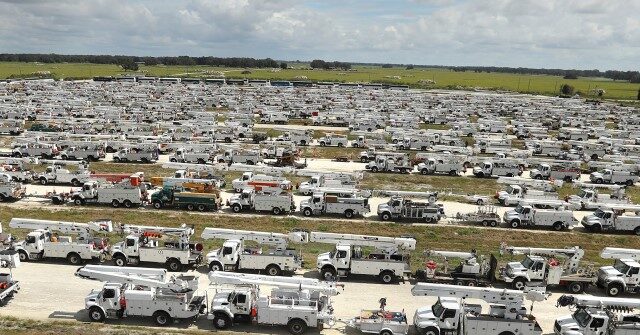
(493, 223)
(216, 266)
(385, 332)
(173, 160)
(387, 277)
(221, 321)
(74, 259)
(24, 257)
(296, 326)
(96, 314)
(3, 198)
(374, 169)
(303, 143)
(429, 219)
(78, 201)
(144, 160)
(629, 183)
(558, 226)
(328, 274)
(519, 284)
(431, 331)
(190, 207)
(115, 203)
(348, 214)
(424, 172)
(576, 288)
(599, 181)
(386, 216)
(514, 224)
(161, 318)
(276, 211)
(323, 144)
(507, 333)
(174, 265)
(307, 212)
(273, 270)
(236, 208)
(509, 175)
(201, 208)
(453, 173)
(614, 290)
(128, 204)
(363, 159)
(423, 148)
(201, 161)
(116, 159)
(120, 261)
(76, 183)
(43, 181)
(157, 204)
(637, 231)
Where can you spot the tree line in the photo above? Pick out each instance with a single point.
(630, 76)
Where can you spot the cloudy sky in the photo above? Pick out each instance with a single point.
(583, 34)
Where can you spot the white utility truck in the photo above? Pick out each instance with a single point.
(184, 155)
(330, 180)
(127, 193)
(389, 259)
(143, 245)
(547, 267)
(473, 270)
(56, 174)
(9, 189)
(236, 255)
(333, 140)
(295, 302)
(135, 155)
(396, 162)
(398, 207)
(496, 169)
(525, 215)
(588, 197)
(9, 259)
(624, 275)
(556, 171)
(277, 203)
(43, 242)
(325, 203)
(453, 314)
(608, 176)
(142, 292)
(432, 165)
(606, 219)
(598, 316)
(513, 194)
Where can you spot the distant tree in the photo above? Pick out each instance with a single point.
(387, 66)
(570, 75)
(635, 78)
(318, 64)
(129, 65)
(283, 65)
(566, 89)
(409, 67)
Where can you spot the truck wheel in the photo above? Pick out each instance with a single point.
(493, 223)
(115, 203)
(120, 261)
(558, 226)
(78, 201)
(236, 208)
(202, 208)
(303, 143)
(428, 219)
(614, 290)
(386, 216)
(74, 259)
(363, 159)
(629, 183)
(514, 224)
(387, 277)
(128, 204)
(386, 332)
(424, 172)
(64, 157)
(161, 318)
(374, 169)
(273, 270)
(307, 212)
(509, 174)
(216, 266)
(76, 183)
(43, 181)
(23, 256)
(250, 163)
(423, 148)
(485, 223)
(96, 314)
(191, 207)
(276, 211)
(173, 160)
(2, 198)
(637, 231)
(201, 161)
(348, 214)
(599, 181)
(144, 160)
(328, 274)
(431, 331)
(157, 204)
(323, 144)
(519, 284)
(56, 201)
(296, 327)
(116, 159)
(221, 321)
(174, 265)
(576, 288)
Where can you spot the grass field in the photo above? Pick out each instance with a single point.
(440, 78)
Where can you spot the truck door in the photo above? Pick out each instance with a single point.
(229, 254)
(596, 327)
(537, 270)
(607, 219)
(110, 299)
(633, 276)
(449, 319)
(241, 304)
(342, 258)
(131, 246)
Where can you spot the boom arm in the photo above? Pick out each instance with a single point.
(63, 226)
(383, 242)
(620, 253)
(137, 276)
(574, 255)
(276, 239)
(588, 301)
(233, 278)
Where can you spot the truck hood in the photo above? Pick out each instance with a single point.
(514, 268)
(234, 198)
(609, 271)
(595, 175)
(117, 247)
(424, 317)
(567, 325)
(220, 301)
(476, 169)
(304, 203)
(503, 194)
(590, 220)
(512, 214)
(213, 254)
(91, 298)
(534, 172)
(324, 258)
(384, 207)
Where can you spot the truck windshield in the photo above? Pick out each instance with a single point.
(582, 194)
(510, 190)
(519, 209)
(527, 263)
(598, 213)
(582, 318)
(437, 309)
(621, 267)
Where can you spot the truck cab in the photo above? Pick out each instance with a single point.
(440, 318)
(231, 306)
(228, 255)
(531, 268)
(34, 244)
(521, 213)
(107, 301)
(599, 220)
(583, 321)
(337, 262)
(483, 170)
(623, 276)
(542, 172)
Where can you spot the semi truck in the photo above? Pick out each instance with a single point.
(179, 197)
(388, 261)
(236, 255)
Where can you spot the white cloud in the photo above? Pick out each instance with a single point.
(601, 34)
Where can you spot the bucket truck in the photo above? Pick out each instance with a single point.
(525, 215)
(142, 244)
(388, 261)
(541, 266)
(56, 174)
(9, 189)
(296, 303)
(473, 270)
(43, 242)
(624, 275)
(327, 202)
(9, 259)
(598, 316)
(608, 176)
(608, 219)
(235, 255)
(277, 202)
(588, 197)
(453, 315)
(127, 193)
(138, 292)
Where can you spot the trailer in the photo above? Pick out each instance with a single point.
(141, 292)
(389, 261)
(9, 287)
(486, 215)
(43, 242)
(380, 321)
(236, 255)
(473, 270)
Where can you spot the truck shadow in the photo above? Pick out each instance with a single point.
(360, 279)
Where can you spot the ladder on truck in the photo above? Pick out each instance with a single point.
(279, 240)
